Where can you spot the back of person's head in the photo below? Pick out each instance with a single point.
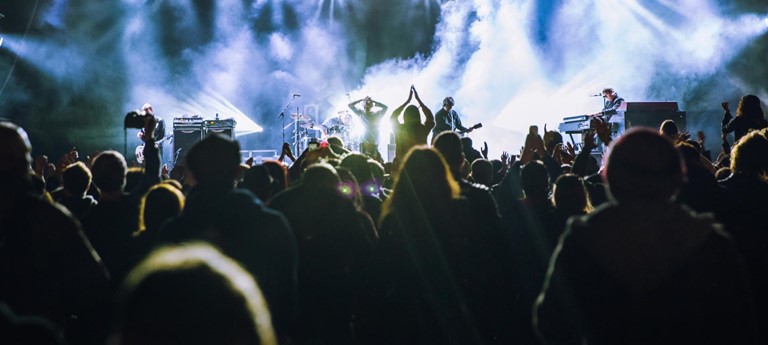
(534, 179)
(749, 106)
(76, 179)
(358, 164)
(335, 141)
(482, 171)
(593, 166)
(570, 195)
(320, 176)
(750, 154)
(258, 180)
(160, 203)
(15, 151)
(214, 160)
(643, 165)
(109, 171)
(191, 294)
(669, 129)
(411, 114)
(449, 145)
(424, 179)
(692, 158)
(551, 139)
(349, 188)
(466, 143)
(133, 177)
(279, 174)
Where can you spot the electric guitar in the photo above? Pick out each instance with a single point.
(140, 149)
(475, 126)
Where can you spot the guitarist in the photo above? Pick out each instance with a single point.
(159, 133)
(447, 119)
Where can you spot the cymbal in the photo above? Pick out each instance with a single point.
(300, 117)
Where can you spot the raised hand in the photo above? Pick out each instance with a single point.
(504, 157)
(249, 161)
(602, 129)
(725, 106)
(589, 140)
(165, 170)
(484, 150)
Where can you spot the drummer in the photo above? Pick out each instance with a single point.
(338, 124)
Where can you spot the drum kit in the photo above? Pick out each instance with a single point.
(307, 130)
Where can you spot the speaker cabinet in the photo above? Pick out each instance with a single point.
(183, 140)
(228, 132)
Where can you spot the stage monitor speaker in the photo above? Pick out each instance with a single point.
(228, 132)
(183, 140)
(654, 119)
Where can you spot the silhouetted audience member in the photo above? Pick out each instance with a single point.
(191, 294)
(470, 153)
(749, 192)
(701, 191)
(258, 180)
(159, 204)
(411, 132)
(642, 269)
(670, 130)
(482, 172)
(47, 266)
(749, 116)
(416, 289)
(111, 223)
(239, 224)
(76, 180)
(334, 246)
(358, 164)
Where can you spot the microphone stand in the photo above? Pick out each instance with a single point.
(282, 115)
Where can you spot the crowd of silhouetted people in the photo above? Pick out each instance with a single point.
(655, 242)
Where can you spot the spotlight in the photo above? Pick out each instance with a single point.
(766, 21)
(1, 41)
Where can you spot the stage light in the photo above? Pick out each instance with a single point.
(1, 41)
(766, 21)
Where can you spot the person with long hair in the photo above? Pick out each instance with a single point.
(415, 292)
(749, 116)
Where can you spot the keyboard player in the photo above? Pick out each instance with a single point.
(611, 104)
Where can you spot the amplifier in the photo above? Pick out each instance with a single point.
(194, 120)
(220, 123)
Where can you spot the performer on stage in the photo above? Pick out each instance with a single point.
(370, 119)
(411, 132)
(158, 135)
(447, 119)
(611, 104)
(338, 123)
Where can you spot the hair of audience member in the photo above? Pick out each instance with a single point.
(15, 151)
(643, 165)
(593, 166)
(691, 156)
(174, 184)
(551, 139)
(669, 129)
(76, 179)
(449, 145)
(482, 171)
(570, 195)
(423, 180)
(411, 114)
(534, 180)
(357, 163)
(160, 203)
(320, 176)
(749, 106)
(466, 142)
(258, 180)
(349, 188)
(133, 177)
(722, 173)
(750, 154)
(335, 140)
(214, 160)
(279, 175)
(192, 294)
(378, 171)
(109, 171)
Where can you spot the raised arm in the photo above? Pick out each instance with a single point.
(396, 113)
(430, 118)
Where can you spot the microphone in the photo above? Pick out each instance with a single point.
(595, 95)
(296, 95)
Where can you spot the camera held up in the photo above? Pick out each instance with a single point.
(134, 120)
